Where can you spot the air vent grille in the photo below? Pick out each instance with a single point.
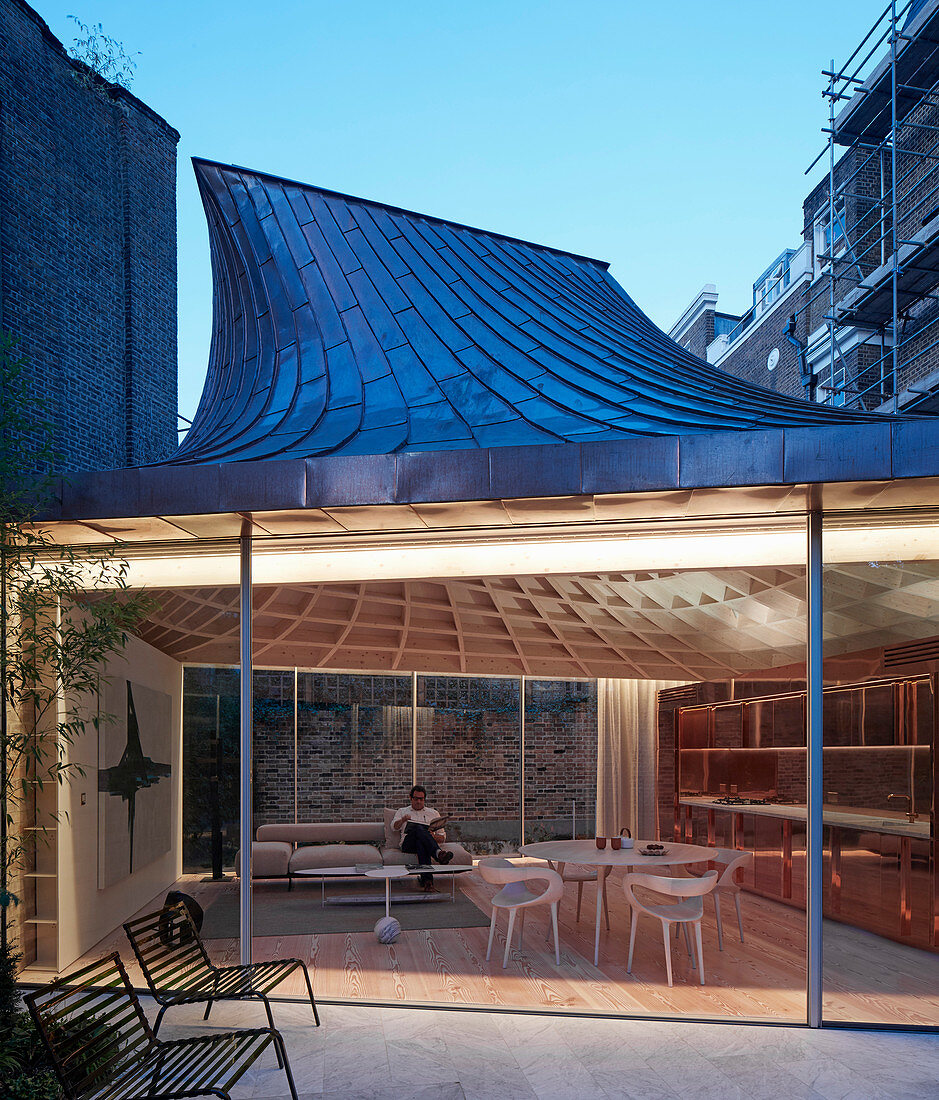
(913, 653)
(688, 693)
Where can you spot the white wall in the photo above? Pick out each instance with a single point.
(87, 914)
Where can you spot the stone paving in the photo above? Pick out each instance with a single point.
(364, 1053)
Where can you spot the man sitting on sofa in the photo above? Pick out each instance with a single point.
(416, 838)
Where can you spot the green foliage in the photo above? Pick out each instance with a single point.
(63, 612)
(25, 1068)
(104, 57)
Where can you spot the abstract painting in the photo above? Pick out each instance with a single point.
(134, 779)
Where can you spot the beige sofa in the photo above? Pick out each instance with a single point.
(281, 850)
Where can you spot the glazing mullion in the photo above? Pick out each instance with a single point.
(814, 781)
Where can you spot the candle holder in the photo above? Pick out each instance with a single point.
(601, 841)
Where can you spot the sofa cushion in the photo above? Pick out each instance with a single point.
(333, 855)
(324, 832)
(392, 836)
(269, 859)
(394, 857)
(460, 854)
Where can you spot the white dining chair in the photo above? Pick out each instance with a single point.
(689, 909)
(729, 861)
(516, 896)
(575, 872)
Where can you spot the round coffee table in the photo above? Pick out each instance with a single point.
(387, 873)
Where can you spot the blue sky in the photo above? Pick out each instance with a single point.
(668, 139)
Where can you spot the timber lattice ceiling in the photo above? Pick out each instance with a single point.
(658, 625)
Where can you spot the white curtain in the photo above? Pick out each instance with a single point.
(626, 755)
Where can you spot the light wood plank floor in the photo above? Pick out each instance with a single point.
(867, 978)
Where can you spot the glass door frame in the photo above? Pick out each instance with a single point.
(814, 523)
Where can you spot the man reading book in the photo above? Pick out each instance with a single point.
(422, 833)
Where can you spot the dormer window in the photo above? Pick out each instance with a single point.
(772, 283)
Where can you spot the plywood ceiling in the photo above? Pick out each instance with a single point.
(689, 625)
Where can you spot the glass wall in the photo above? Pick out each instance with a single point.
(469, 757)
(717, 618)
(353, 746)
(211, 766)
(560, 759)
(881, 933)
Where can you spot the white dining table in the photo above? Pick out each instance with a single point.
(586, 853)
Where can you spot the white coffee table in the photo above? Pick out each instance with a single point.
(387, 873)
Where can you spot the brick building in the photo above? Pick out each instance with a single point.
(88, 246)
(849, 317)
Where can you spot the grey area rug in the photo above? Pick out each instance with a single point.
(300, 913)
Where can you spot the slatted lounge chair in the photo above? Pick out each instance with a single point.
(177, 969)
(103, 1047)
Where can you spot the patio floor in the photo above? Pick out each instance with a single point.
(368, 1053)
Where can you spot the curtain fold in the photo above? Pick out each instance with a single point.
(626, 755)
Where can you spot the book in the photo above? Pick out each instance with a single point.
(438, 822)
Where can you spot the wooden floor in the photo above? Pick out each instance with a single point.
(867, 978)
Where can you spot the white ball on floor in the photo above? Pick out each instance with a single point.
(387, 930)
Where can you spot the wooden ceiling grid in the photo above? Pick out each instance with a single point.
(688, 625)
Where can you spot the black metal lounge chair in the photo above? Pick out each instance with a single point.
(103, 1047)
(177, 969)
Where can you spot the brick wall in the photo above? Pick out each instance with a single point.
(353, 747)
(748, 357)
(88, 236)
(699, 335)
(354, 753)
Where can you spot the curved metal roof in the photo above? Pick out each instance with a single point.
(343, 326)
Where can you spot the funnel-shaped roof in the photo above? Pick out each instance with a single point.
(343, 326)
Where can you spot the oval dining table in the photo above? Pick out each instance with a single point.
(586, 853)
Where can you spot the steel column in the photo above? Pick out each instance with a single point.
(246, 831)
(413, 728)
(814, 683)
(521, 758)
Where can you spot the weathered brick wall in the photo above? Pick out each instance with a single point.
(88, 256)
(560, 758)
(701, 333)
(273, 747)
(354, 752)
(353, 747)
(918, 199)
(748, 358)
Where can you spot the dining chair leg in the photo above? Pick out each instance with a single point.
(632, 940)
(492, 932)
(688, 947)
(717, 913)
(739, 917)
(580, 896)
(697, 938)
(521, 927)
(557, 943)
(668, 951)
(606, 907)
(508, 939)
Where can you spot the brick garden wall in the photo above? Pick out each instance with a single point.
(87, 250)
(354, 752)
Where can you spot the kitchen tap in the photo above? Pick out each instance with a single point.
(909, 804)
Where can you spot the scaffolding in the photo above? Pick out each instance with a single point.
(873, 307)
